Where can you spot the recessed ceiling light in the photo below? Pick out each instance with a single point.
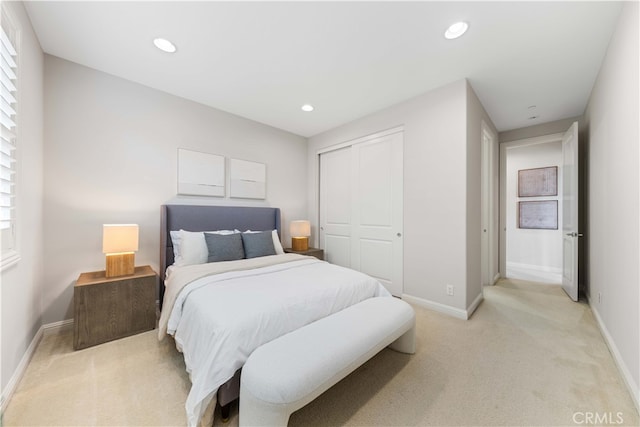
(456, 30)
(164, 45)
(307, 107)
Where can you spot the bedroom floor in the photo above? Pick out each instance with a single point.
(528, 356)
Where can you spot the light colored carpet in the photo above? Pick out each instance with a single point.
(528, 356)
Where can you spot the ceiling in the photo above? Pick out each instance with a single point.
(264, 60)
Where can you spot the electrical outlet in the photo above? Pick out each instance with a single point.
(450, 290)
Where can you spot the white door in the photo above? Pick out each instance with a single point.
(489, 202)
(570, 229)
(485, 199)
(335, 206)
(361, 208)
(485, 214)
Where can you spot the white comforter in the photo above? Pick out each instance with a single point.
(218, 320)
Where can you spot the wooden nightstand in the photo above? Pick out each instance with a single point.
(106, 309)
(318, 253)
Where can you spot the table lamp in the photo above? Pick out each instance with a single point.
(119, 242)
(300, 232)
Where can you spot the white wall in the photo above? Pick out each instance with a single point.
(538, 252)
(436, 176)
(613, 231)
(548, 128)
(22, 284)
(110, 157)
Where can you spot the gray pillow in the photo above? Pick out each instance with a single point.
(258, 244)
(224, 247)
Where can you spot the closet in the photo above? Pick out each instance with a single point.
(361, 206)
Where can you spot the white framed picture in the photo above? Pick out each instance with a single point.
(247, 180)
(200, 174)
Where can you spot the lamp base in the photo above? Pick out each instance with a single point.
(300, 244)
(121, 264)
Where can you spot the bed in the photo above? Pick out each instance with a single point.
(219, 312)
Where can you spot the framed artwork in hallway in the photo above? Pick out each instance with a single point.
(541, 214)
(538, 182)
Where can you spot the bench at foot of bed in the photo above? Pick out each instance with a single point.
(287, 373)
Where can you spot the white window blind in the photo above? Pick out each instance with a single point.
(8, 95)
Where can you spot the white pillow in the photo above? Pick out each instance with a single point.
(193, 248)
(175, 241)
(189, 247)
(276, 241)
(223, 232)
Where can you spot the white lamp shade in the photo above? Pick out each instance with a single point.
(301, 228)
(119, 238)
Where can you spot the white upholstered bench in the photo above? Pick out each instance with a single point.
(287, 373)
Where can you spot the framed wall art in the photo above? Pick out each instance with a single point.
(200, 174)
(539, 214)
(538, 182)
(247, 180)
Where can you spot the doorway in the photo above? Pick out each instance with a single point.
(531, 249)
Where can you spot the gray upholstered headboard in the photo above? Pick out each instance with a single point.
(209, 218)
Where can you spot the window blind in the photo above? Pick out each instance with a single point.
(8, 95)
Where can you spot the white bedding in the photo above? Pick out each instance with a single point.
(218, 320)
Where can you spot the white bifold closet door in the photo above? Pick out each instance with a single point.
(361, 207)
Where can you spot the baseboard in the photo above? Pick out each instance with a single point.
(436, 306)
(535, 273)
(11, 386)
(496, 278)
(540, 268)
(61, 326)
(617, 357)
(474, 305)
